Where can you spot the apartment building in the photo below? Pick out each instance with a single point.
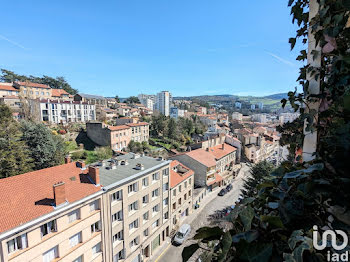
(51, 214)
(136, 206)
(117, 137)
(212, 165)
(61, 111)
(237, 116)
(288, 117)
(61, 94)
(176, 112)
(33, 90)
(7, 89)
(105, 113)
(139, 131)
(163, 101)
(181, 191)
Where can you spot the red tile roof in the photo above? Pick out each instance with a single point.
(56, 92)
(175, 177)
(7, 87)
(30, 195)
(116, 128)
(209, 157)
(222, 150)
(137, 124)
(30, 84)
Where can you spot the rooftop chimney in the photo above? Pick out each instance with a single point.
(223, 146)
(80, 164)
(67, 159)
(94, 173)
(59, 193)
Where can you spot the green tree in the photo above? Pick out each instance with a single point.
(132, 100)
(14, 154)
(117, 99)
(172, 129)
(46, 149)
(59, 82)
(258, 172)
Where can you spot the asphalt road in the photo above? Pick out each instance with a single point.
(173, 253)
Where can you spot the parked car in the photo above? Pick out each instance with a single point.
(222, 192)
(229, 187)
(182, 234)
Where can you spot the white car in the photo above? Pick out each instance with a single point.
(182, 234)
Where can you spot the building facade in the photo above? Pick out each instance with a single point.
(60, 111)
(163, 100)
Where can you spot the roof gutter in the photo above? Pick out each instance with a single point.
(47, 216)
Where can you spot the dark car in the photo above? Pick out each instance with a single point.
(222, 192)
(228, 187)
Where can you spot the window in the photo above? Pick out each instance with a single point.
(165, 201)
(165, 172)
(134, 224)
(134, 242)
(185, 196)
(73, 216)
(17, 243)
(119, 236)
(79, 259)
(174, 206)
(51, 254)
(155, 193)
(37, 93)
(47, 93)
(155, 208)
(155, 224)
(155, 176)
(166, 215)
(174, 192)
(185, 184)
(179, 201)
(42, 93)
(117, 216)
(96, 249)
(179, 188)
(133, 206)
(146, 232)
(48, 228)
(94, 205)
(145, 216)
(132, 188)
(189, 193)
(165, 186)
(117, 196)
(145, 199)
(75, 240)
(96, 227)
(119, 255)
(145, 182)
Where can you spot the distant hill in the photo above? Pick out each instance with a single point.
(277, 96)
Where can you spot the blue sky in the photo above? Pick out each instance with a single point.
(189, 47)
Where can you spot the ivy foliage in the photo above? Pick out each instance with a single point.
(276, 223)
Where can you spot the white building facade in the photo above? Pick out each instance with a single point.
(163, 100)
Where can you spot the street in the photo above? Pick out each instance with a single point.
(173, 253)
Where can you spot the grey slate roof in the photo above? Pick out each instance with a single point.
(124, 173)
(91, 96)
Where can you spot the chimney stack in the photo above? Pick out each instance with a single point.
(59, 193)
(80, 164)
(67, 159)
(94, 173)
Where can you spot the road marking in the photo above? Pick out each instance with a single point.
(161, 254)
